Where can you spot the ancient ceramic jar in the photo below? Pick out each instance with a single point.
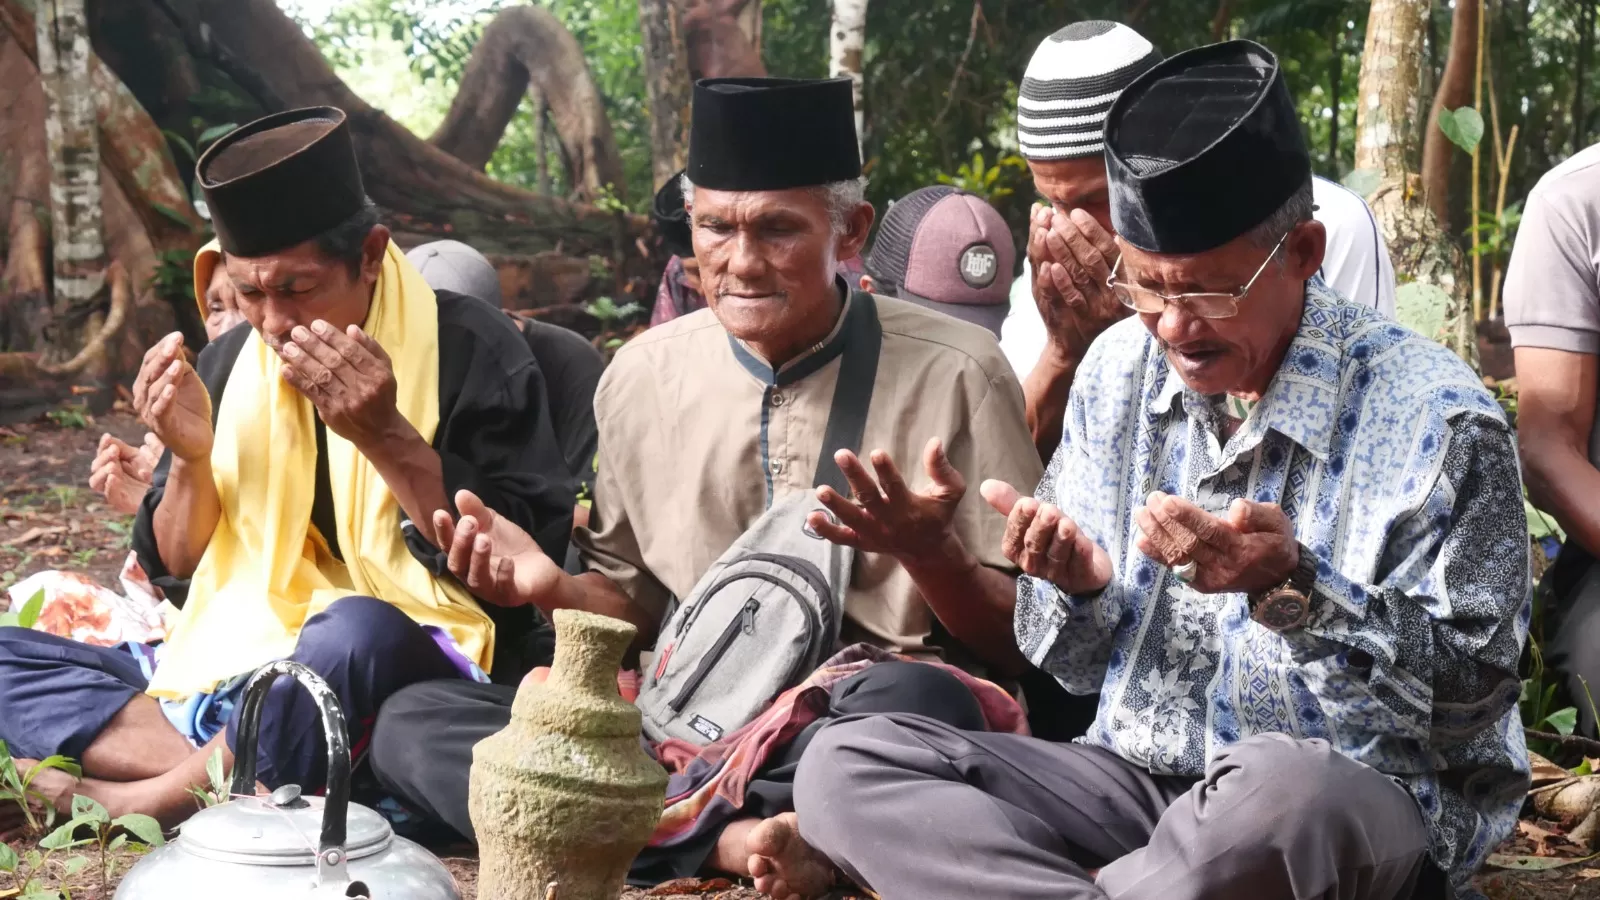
(566, 795)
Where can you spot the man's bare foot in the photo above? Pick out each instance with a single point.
(53, 787)
(784, 866)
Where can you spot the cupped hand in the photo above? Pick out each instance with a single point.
(172, 402)
(497, 561)
(1043, 542)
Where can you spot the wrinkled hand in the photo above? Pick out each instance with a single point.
(1072, 257)
(1251, 549)
(494, 558)
(349, 379)
(886, 516)
(1045, 543)
(171, 400)
(121, 473)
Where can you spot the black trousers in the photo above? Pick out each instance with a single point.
(422, 747)
(1572, 629)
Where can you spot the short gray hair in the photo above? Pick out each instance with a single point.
(1298, 208)
(842, 198)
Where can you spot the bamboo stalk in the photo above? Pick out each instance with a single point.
(1499, 213)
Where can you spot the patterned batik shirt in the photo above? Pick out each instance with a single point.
(1399, 472)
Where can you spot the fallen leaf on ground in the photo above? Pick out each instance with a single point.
(1534, 863)
(682, 886)
(51, 551)
(33, 534)
(1544, 771)
(1544, 841)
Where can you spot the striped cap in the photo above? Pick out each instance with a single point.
(1071, 82)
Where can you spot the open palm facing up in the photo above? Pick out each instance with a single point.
(498, 561)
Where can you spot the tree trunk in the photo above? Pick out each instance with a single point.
(523, 46)
(1580, 133)
(25, 282)
(1455, 91)
(723, 38)
(1336, 84)
(666, 66)
(1387, 102)
(425, 192)
(846, 45)
(78, 276)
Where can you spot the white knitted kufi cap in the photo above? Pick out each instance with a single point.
(1071, 82)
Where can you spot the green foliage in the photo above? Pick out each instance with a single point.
(216, 789)
(23, 617)
(17, 787)
(1464, 127)
(610, 314)
(1422, 307)
(105, 834)
(70, 416)
(993, 183)
(173, 279)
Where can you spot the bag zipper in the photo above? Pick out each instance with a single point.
(744, 622)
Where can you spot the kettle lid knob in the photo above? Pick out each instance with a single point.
(288, 797)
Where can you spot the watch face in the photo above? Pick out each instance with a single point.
(1283, 610)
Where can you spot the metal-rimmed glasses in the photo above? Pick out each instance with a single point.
(1206, 305)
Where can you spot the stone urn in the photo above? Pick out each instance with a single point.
(566, 795)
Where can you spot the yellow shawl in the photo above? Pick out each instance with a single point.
(266, 569)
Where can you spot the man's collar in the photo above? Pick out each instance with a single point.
(1302, 401)
(814, 358)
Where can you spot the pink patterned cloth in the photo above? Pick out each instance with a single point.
(77, 607)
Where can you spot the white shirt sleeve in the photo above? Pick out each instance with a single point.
(1022, 335)
(1357, 263)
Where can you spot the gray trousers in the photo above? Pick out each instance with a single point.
(916, 810)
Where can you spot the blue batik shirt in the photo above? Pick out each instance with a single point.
(1400, 474)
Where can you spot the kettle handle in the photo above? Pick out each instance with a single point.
(337, 803)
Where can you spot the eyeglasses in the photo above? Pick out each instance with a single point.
(1209, 305)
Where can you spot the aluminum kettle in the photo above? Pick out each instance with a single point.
(256, 848)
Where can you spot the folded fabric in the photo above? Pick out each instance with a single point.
(706, 785)
(78, 607)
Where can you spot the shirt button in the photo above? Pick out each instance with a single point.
(777, 466)
(777, 399)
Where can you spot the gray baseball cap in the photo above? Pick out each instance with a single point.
(453, 266)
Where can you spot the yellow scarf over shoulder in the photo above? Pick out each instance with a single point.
(267, 569)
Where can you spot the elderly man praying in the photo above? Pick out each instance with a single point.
(1282, 537)
(299, 453)
(739, 396)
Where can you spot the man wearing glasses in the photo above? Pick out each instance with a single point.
(1280, 537)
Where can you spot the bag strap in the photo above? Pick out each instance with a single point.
(858, 369)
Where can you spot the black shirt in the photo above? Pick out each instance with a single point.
(494, 438)
(572, 369)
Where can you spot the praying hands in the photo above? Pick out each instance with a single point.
(172, 402)
(1251, 548)
(348, 377)
(1072, 257)
(1043, 542)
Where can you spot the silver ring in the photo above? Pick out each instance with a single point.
(1186, 572)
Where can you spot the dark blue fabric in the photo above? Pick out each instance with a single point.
(57, 695)
(366, 650)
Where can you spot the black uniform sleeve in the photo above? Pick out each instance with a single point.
(215, 363)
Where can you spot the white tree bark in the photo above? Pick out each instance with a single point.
(73, 149)
(846, 44)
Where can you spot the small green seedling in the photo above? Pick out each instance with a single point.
(216, 790)
(107, 835)
(25, 615)
(17, 787)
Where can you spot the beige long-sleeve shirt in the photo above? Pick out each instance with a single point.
(697, 434)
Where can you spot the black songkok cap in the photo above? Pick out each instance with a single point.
(770, 134)
(281, 180)
(1202, 148)
(672, 220)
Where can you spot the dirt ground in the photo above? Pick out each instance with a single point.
(50, 519)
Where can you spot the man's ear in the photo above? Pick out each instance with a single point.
(1305, 248)
(866, 284)
(373, 250)
(856, 229)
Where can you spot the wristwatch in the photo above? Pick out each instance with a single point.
(1288, 606)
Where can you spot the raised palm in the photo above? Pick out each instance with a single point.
(172, 401)
(498, 561)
